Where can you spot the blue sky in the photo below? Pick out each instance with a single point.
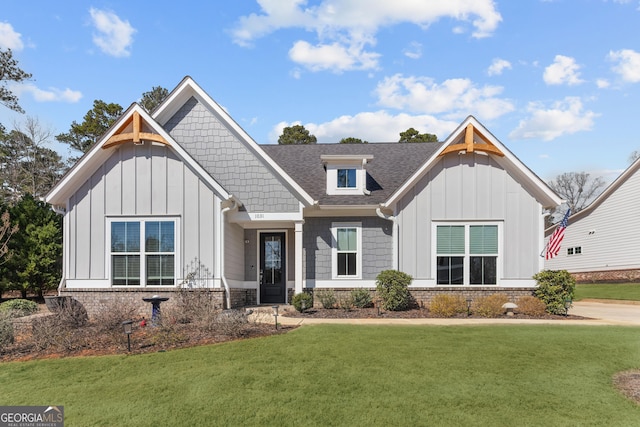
(557, 81)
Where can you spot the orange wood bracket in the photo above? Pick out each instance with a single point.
(136, 136)
(469, 145)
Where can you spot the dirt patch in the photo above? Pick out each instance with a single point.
(628, 383)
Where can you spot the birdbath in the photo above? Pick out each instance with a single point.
(155, 308)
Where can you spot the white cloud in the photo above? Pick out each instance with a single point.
(349, 26)
(333, 56)
(498, 66)
(9, 38)
(114, 36)
(456, 98)
(50, 95)
(628, 64)
(602, 83)
(562, 118)
(414, 51)
(564, 70)
(377, 126)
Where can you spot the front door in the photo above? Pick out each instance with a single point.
(272, 268)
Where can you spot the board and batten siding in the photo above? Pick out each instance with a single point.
(608, 235)
(139, 181)
(467, 188)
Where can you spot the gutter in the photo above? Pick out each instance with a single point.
(234, 205)
(394, 234)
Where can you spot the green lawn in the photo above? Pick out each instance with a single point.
(620, 291)
(350, 375)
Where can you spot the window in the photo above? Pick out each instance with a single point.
(143, 252)
(574, 251)
(467, 254)
(346, 178)
(346, 250)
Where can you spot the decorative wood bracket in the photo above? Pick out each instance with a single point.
(135, 136)
(469, 145)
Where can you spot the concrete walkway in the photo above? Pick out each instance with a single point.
(596, 313)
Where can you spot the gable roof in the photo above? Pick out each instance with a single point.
(392, 164)
(187, 89)
(472, 136)
(127, 128)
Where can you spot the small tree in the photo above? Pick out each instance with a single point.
(296, 135)
(352, 140)
(393, 287)
(6, 231)
(554, 289)
(10, 72)
(412, 135)
(150, 100)
(82, 136)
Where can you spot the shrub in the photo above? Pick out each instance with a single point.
(326, 297)
(446, 305)
(109, 317)
(554, 288)
(531, 306)
(361, 298)
(301, 299)
(490, 306)
(6, 330)
(346, 302)
(19, 307)
(393, 288)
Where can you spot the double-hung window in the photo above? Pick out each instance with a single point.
(143, 252)
(467, 254)
(347, 252)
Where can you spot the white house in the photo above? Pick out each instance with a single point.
(601, 241)
(186, 192)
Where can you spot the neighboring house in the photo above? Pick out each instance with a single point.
(185, 197)
(601, 241)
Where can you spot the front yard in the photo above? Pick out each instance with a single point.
(350, 375)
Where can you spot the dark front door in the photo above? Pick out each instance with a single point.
(272, 268)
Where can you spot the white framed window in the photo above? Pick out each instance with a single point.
(467, 254)
(347, 178)
(347, 250)
(346, 174)
(143, 251)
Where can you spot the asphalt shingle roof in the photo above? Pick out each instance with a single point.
(391, 166)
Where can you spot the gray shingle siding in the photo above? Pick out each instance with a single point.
(228, 160)
(377, 246)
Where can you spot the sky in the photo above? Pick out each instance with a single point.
(556, 81)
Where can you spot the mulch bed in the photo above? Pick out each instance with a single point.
(415, 313)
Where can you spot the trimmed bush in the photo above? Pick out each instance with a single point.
(531, 306)
(301, 299)
(326, 297)
(19, 307)
(446, 305)
(393, 288)
(490, 306)
(346, 302)
(554, 288)
(361, 298)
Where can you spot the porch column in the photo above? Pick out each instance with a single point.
(298, 256)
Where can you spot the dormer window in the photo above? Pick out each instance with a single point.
(347, 178)
(346, 174)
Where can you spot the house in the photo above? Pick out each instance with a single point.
(185, 197)
(601, 243)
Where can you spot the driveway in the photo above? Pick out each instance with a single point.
(611, 313)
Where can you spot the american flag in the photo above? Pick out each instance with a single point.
(553, 247)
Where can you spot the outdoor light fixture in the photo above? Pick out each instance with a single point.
(275, 313)
(127, 325)
(469, 307)
(378, 302)
(303, 305)
(567, 306)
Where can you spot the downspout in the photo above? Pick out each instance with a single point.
(227, 290)
(395, 231)
(61, 211)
